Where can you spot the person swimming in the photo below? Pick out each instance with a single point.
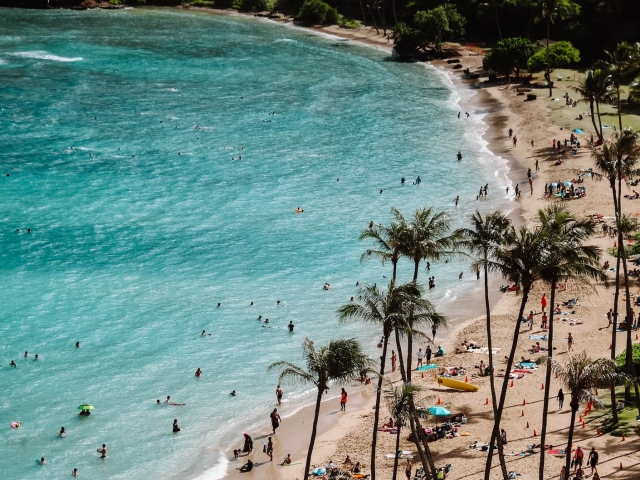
(198, 372)
(299, 210)
(459, 155)
(63, 432)
(233, 393)
(290, 326)
(204, 334)
(176, 428)
(13, 364)
(77, 344)
(42, 461)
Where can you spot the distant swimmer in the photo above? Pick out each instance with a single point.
(74, 472)
(326, 286)
(218, 305)
(251, 304)
(266, 321)
(63, 432)
(26, 354)
(381, 191)
(102, 451)
(176, 428)
(204, 334)
(279, 394)
(290, 326)
(36, 358)
(459, 114)
(467, 114)
(233, 393)
(13, 364)
(299, 210)
(460, 276)
(278, 302)
(259, 318)
(459, 155)
(42, 461)
(402, 180)
(77, 344)
(198, 373)
(457, 200)
(418, 181)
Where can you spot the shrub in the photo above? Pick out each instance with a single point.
(254, 5)
(315, 11)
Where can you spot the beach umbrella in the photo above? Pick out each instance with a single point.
(438, 411)
(85, 406)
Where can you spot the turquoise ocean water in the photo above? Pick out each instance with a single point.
(119, 131)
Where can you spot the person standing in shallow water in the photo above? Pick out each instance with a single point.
(343, 400)
(176, 428)
(279, 394)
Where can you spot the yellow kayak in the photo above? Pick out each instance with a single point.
(457, 384)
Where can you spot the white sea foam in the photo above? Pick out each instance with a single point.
(217, 472)
(42, 55)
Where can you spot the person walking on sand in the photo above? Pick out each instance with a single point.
(537, 167)
(279, 394)
(427, 354)
(515, 140)
(570, 343)
(407, 468)
(592, 460)
(610, 317)
(543, 301)
(433, 331)
(275, 420)
(560, 398)
(530, 320)
(394, 359)
(578, 457)
(343, 400)
(270, 449)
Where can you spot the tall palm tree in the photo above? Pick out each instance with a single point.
(389, 243)
(568, 258)
(386, 309)
(617, 159)
(481, 240)
(621, 59)
(552, 10)
(402, 406)
(341, 361)
(596, 89)
(580, 376)
(518, 261)
(494, 5)
(426, 237)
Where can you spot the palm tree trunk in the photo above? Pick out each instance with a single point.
(498, 22)
(616, 295)
(547, 382)
(593, 117)
(601, 133)
(574, 410)
(364, 18)
(494, 402)
(395, 460)
(314, 430)
(383, 18)
(399, 347)
(427, 451)
(548, 66)
(393, 5)
(505, 383)
(414, 431)
(416, 269)
(375, 25)
(618, 98)
(376, 415)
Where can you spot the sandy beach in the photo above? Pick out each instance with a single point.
(540, 121)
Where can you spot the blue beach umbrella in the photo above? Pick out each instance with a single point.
(438, 411)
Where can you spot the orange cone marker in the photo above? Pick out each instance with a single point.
(512, 383)
(524, 402)
(486, 402)
(422, 374)
(527, 425)
(621, 466)
(623, 439)
(597, 431)
(542, 387)
(466, 379)
(522, 413)
(534, 433)
(580, 419)
(439, 402)
(583, 425)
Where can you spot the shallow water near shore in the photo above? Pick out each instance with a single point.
(122, 133)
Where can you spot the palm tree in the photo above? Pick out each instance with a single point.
(580, 376)
(518, 261)
(596, 89)
(553, 10)
(402, 406)
(341, 361)
(634, 91)
(426, 237)
(568, 258)
(385, 309)
(389, 243)
(617, 159)
(481, 240)
(494, 5)
(620, 60)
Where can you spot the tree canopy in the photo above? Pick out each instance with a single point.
(561, 54)
(510, 54)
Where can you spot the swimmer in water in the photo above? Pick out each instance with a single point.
(457, 200)
(102, 451)
(259, 318)
(218, 305)
(77, 344)
(290, 326)
(402, 180)
(63, 432)
(278, 302)
(42, 461)
(13, 364)
(198, 373)
(74, 472)
(233, 393)
(459, 156)
(204, 334)
(176, 428)
(266, 321)
(26, 354)
(298, 210)
(251, 303)
(381, 191)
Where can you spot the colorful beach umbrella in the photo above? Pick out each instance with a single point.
(85, 406)
(438, 411)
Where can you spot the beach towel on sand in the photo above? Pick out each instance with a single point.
(537, 337)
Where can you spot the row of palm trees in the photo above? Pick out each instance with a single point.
(552, 250)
